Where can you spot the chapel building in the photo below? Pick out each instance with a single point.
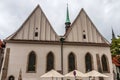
(35, 48)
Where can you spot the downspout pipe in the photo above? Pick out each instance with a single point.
(62, 41)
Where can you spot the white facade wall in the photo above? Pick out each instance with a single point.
(19, 55)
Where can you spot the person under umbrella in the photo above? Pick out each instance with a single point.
(75, 74)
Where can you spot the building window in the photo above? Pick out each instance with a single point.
(11, 78)
(88, 62)
(36, 28)
(84, 36)
(105, 64)
(50, 61)
(31, 62)
(36, 34)
(71, 62)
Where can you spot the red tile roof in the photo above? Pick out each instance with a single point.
(116, 61)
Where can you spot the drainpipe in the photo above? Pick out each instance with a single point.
(62, 41)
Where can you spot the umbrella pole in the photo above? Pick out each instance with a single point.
(75, 77)
(80, 78)
(89, 77)
(52, 78)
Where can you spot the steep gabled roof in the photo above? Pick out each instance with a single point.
(82, 27)
(36, 27)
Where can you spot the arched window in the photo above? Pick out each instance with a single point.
(105, 64)
(11, 78)
(71, 62)
(50, 61)
(88, 62)
(31, 62)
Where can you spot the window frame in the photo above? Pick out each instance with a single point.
(74, 60)
(36, 34)
(28, 62)
(107, 64)
(92, 67)
(47, 60)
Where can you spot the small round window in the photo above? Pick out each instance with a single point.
(11, 78)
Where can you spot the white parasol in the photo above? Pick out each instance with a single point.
(52, 73)
(95, 73)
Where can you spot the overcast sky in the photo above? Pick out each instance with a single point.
(105, 14)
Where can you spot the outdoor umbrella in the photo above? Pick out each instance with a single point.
(30, 79)
(75, 73)
(52, 74)
(20, 75)
(95, 73)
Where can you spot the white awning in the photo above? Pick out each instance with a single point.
(52, 73)
(75, 73)
(95, 73)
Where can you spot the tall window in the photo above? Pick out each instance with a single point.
(71, 62)
(11, 78)
(36, 34)
(105, 64)
(88, 62)
(31, 62)
(84, 36)
(50, 61)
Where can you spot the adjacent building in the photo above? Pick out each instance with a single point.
(2, 46)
